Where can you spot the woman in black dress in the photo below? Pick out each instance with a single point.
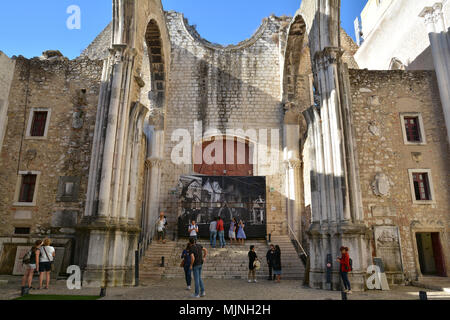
(277, 264)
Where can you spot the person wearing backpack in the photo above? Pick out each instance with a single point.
(186, 265)
(346, 267)
(198, 257)
(31, 263)
(46, 258)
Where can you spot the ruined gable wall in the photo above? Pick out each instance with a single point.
(234, 87)
(378, 99)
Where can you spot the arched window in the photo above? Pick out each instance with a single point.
(157, 68)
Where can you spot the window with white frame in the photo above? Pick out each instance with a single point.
(38, 123)
(413, 128)
(422, 190)
(26, 188)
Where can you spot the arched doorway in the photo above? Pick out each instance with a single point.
(231, 157)
(223, 185)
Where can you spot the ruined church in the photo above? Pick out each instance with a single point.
(290, 131)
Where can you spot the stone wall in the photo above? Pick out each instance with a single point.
(69, 89)
(6, 74)
(235, 87)
(98, 49)
(378, 99)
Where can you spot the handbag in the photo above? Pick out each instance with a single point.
(257, 265)
(52, 268)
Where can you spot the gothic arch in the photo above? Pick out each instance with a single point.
(156, 57)
(294, 52)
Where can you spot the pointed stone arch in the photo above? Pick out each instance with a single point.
(156, 57)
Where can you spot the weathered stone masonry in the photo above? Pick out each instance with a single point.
(379, 98)
(69, 90)
(339, 172)
(235, 87)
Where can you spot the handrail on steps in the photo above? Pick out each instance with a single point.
(298, 243)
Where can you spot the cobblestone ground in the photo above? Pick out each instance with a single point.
(224, 290)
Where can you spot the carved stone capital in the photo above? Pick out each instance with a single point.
(156, 118)
(327, 57)
(293, 164)
(121, 53)
(154, 163)
(434, 17)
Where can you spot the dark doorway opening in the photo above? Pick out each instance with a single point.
(431, 257)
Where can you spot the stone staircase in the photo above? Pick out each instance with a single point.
(228, 263)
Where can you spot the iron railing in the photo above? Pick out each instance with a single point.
(298, 246)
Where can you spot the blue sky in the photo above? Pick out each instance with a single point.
(28, 27)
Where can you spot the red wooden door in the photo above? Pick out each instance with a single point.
(235, 159)
(438, 255)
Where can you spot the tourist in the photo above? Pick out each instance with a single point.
(31, 263)
(241, 233)
(213, 232)
(270, 256)
(221, 232)
(161, 227)
(345, 268)
(193, 230)
(232, 231)
(198, 258)
(276, 264)
(186, 265)
(46, 258)
(252, 258)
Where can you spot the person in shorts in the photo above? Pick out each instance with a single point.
(232, 231)
(32, 265)
(161, 226)
(46, 258)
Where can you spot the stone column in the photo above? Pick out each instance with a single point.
(293, 166)
(440, 48)
(154, 163)
(334, 224)
(106, 245)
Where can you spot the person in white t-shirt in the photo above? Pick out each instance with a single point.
(193, 230)
(46, 259)
(161, 226)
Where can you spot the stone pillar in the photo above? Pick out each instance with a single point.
(440, 48)
(109, 234)
(293, 172)
(154, 163)
(336, 214)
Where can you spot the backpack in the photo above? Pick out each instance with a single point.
(350, 262)
(26, 259)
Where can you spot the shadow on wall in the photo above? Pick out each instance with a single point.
(424, 61)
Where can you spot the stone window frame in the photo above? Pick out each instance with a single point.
(423, 137)
(28, 135)
(417, 227)
(430, 185)
(17, 203)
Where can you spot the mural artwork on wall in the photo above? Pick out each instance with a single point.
(203, 198)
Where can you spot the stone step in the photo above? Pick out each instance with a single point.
(230, 262)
